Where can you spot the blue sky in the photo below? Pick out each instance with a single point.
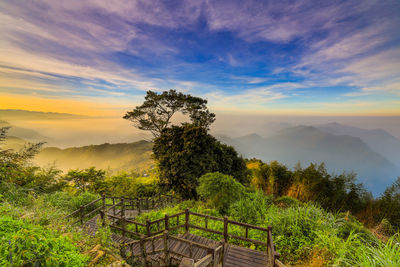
(269, 57)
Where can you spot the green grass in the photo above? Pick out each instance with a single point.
(303, 234)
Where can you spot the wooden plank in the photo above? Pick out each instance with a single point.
(279, 263)
(186, 262)
(246, 261)
(242, 254)
(205, 261)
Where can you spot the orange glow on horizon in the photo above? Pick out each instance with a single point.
(71, 106)
(107, 107)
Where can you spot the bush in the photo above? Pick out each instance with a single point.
(69, 202)
(220, 190)
(14, 194)
(251, 209)
(286, 202)
(24, 244)
(351, 225)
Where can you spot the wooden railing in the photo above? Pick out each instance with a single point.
(182, 221)
(213, 257)
(115, 206)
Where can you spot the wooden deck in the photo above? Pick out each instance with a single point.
(234, 256)
(175, 248)
(157, 247)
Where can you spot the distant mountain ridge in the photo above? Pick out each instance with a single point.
(115, 157)
(23, 133)
(379, 140)
(19, 114)
(307, 144)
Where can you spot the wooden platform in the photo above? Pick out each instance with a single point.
(185, 245)
(235, 256)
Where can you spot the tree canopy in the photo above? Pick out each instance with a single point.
(184, 153)
(155, 113)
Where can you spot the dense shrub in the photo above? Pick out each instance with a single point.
(286, 202)
(219, 190)
(251, 208)
(14, 194)
(69, 202)
(24, 244)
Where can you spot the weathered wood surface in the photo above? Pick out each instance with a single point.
(152, 246)
(235, 256)
(240, 256)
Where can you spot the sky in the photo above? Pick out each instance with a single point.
(99, 57)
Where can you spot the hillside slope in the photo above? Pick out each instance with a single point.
(23, 133)
(116, 157)
(17, 114)
(379, 140)
(307, 144)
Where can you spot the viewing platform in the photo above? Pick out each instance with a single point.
(172, 240)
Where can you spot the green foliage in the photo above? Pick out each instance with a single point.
(127, 185)
(15, 194)
(361, 253)
(155, 113)
(12, 162)
(104, 233)
(24, 244)
(220, 190)
(313, 183)
(87, 180)
(388, 203)
(16, 168)
(70, 202)
(187, 152)
(251, 208)
(286, 202)
(273, 178)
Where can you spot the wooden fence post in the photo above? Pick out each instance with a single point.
(123, 223)
(143, 252)
(269, 249)
(148, 227)
(223, 252)
(215, 257)
(82, 213)
(166, 249)
(103, 209)
(167, 222)
(102, 215)
(187, 220)
(226, 228)
(113, 198)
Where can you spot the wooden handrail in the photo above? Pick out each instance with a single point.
(206, 216)
(141, 203)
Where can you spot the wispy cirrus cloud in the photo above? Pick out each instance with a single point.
(249, 55)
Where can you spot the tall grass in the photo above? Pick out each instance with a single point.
(362, 253)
